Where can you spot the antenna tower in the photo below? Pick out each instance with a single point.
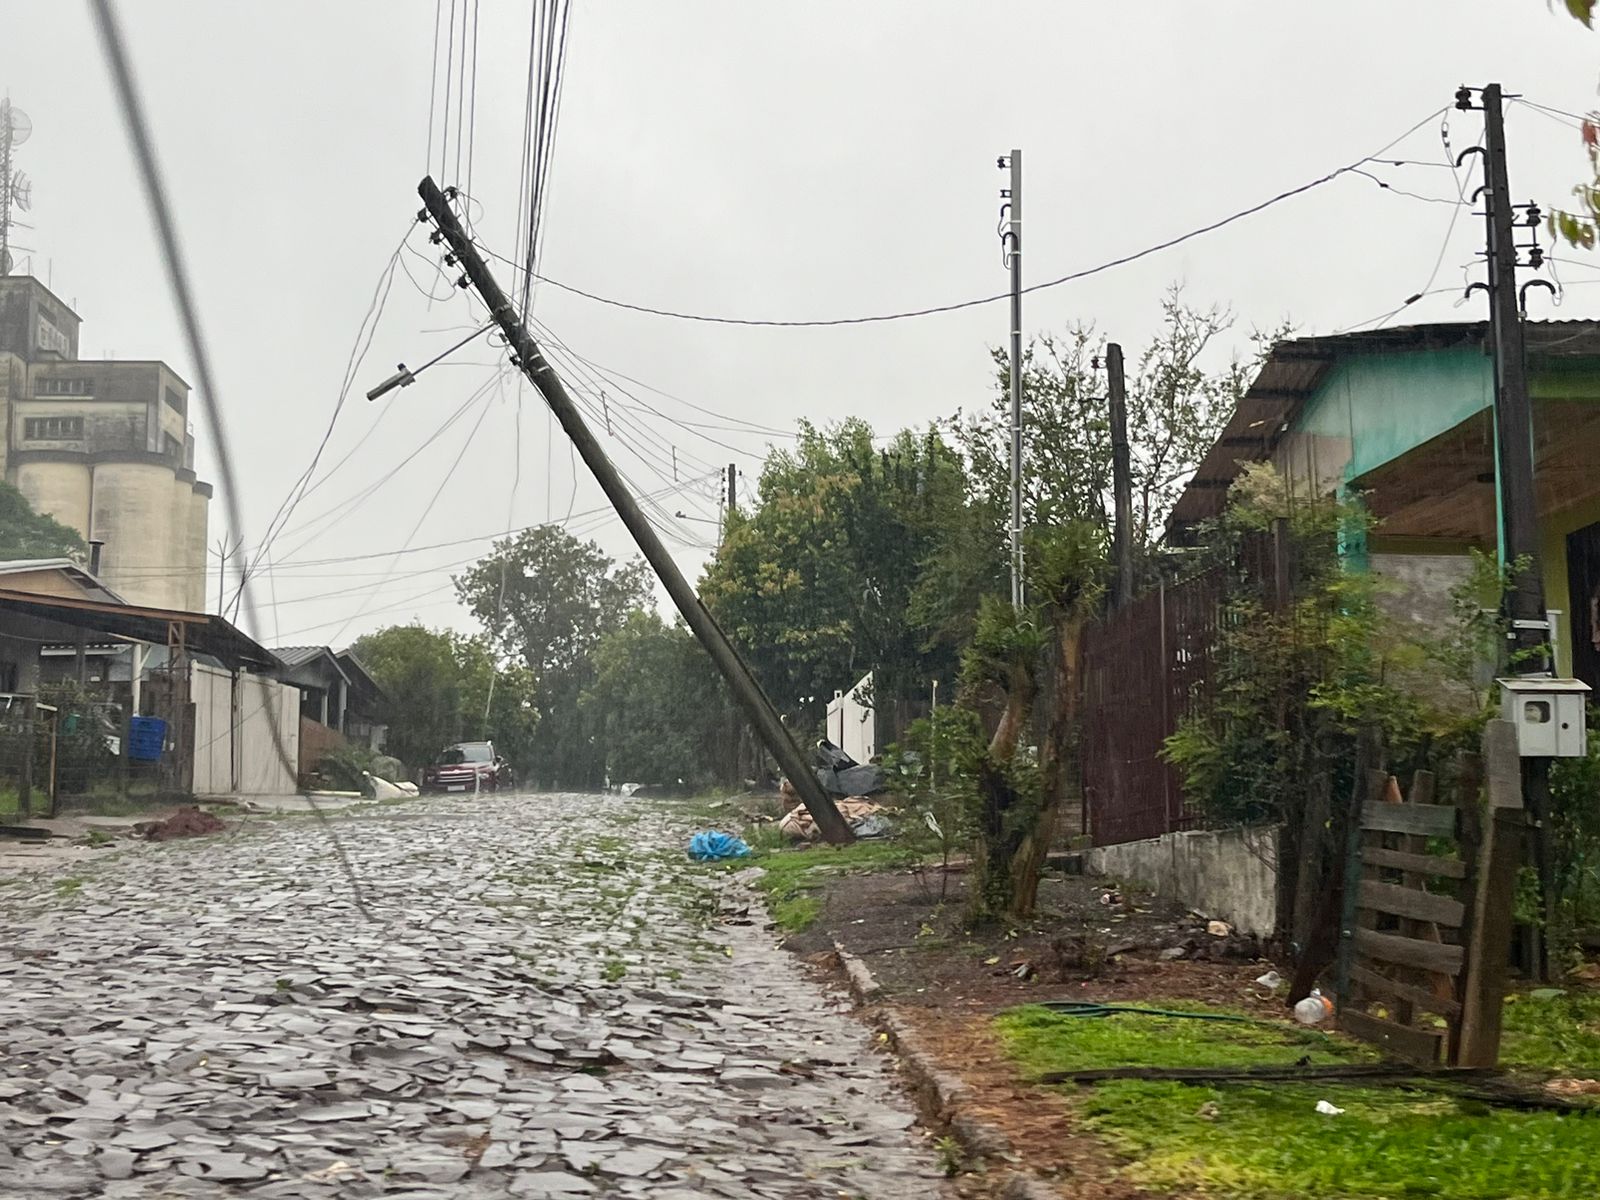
(16, 190)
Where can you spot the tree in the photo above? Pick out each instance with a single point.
(437, 690)
(816, 582)
(422, 688)
(1026, 660)
(1582, 228)
(665, 715)
(545, 600)
(25, 533)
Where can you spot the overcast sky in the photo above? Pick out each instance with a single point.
(799, 161)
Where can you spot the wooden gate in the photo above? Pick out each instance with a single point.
(1428, 900)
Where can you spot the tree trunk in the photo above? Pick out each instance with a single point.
(1053, 755)
(998, 838)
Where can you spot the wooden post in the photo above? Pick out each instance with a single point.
(1494, 894)
(123, 755)
(25, 768)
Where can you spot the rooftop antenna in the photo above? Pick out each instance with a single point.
(16, 190)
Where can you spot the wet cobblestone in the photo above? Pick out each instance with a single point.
(523, 996)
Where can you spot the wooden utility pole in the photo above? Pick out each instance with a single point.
(527, 356)
(1121, 475)
(1524, 605)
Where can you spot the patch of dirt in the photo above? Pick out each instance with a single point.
(1089, 941)
(1037, 1121)
(1076, 947)
(186, 822)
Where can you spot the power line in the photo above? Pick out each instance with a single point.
(178, 277)
(933, 310)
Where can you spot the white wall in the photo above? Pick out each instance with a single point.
(236, 737)
(211, 690)
(852, 724)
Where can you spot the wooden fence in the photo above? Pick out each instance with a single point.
(1428, 899)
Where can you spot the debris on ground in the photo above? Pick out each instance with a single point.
(841, 775)
(1218, 928)
(1573, 1087)
(1272, 981)
(1314, 1009)
(1329, 1110)
(712, 844)
(382, 789)
(187, 822)
(798, 825)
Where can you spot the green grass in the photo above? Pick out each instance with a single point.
(1041, 1041)
(69, 886)
(793, 877)
(1270, 1142)
(1557, 1033)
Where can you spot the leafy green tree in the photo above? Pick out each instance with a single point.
(1026, 660)
(1582, 227)
(437, 690)
(421, 680)
(545, 600)
(661, 704)
(816, 582)
(25, 533)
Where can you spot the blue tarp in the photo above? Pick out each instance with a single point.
(713, 844)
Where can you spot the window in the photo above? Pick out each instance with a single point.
(172, 447)
(63, 387)
(174, 401)
(52, 429)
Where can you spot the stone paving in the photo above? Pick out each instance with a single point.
(519, 996)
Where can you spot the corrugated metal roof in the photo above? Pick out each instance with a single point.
(294, 656)
(1295, 369)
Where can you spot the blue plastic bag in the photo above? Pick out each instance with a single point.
(712, 844)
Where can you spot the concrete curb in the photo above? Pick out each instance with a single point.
(943, 1099)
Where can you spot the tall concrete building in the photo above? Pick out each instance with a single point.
(104, 447)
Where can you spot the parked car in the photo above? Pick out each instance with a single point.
(467, 767)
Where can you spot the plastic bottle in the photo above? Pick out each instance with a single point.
(1314, 1009)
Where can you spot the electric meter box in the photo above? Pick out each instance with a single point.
(1548, 714)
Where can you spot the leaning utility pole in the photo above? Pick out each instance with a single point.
(527, 356)
(1012, 241)
(1530, 634)
(1121, 476)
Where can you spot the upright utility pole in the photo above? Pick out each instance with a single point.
(1530, 635)
(1012, 240)
(733, 488)
(527, 356)
(1121, 476)
(1513, 411)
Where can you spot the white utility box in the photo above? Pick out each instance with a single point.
(1548, 714)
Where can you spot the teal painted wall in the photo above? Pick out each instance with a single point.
(1387, 404)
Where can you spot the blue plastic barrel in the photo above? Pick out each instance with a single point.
(147, 737)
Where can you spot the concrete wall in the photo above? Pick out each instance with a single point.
(1230, 874)
(57, 489)
(133, 516)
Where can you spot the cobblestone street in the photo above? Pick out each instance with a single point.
(523, 996)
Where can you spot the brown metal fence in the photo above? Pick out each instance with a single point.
(1144, 668)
